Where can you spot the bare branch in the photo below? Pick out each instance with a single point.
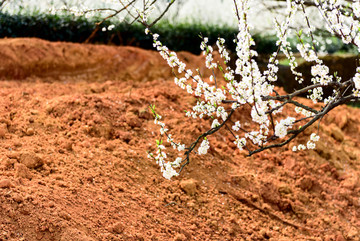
(162, 14)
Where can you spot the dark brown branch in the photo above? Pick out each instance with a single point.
(194, 144)
(318, 116)
(337, 85)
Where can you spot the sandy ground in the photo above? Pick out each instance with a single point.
(74, 131)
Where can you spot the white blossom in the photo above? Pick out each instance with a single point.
(240, 143)
(282, 127)
(300, 147)
(356, 80)
(215, 123)
(314, 137)
(203, 147)
(310, 145)
(169, 171)
(236, 126)
(111, 27)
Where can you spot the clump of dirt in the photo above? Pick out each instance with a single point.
(73, 162)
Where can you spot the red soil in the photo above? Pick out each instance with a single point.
(74, 130)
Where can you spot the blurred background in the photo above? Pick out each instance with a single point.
(208, 12)
(184, 20)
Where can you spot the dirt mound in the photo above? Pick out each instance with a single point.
(73, 162)
(29, 57)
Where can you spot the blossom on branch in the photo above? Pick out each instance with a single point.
(246, 86)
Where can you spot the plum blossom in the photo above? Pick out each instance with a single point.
(314, 137)
(203, 147)
(356, 80)
(321, 74)
(240, 143)
(215, 123)
(282, 127)
(236, 126)
(169, 171)
(310, 145)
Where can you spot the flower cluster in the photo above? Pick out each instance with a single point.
(356, 80)
(309, 145)
(240, 143)
(204, 147)
(109, 28)
(304, 112)
(222, 50)
(316, 94)
(167, 168)
(282, 32)
(339, 22)
(208, 51)
(236, 126)
(306, 52)
(282, 126)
